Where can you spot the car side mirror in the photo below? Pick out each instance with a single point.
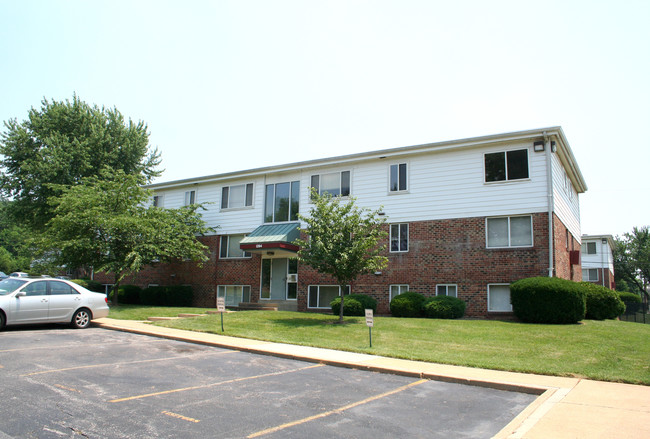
(21, 294)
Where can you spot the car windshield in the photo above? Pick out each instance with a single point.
(10, 285)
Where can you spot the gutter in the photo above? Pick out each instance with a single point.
(551, 202)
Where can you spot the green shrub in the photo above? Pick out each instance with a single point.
(91, 285)
(408, 304)
(175, 295)
(548, 300)
(354, 305)
(629, 297)
(602, 303)
(129, 294)
(444, 307)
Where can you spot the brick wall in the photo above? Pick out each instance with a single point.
(440, 252)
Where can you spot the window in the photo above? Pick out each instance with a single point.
(398, 289)
(510, 165)
(499, 298)
(237, 196)
(590, 275)
(234, 294)
(399, 237)
(588, 248)
(282, 202)
(60, 288)
(230, 247)
(447, 290)
(398, 178)
(510, 231)
(320, 296)
(335, 183)
(157, 201)
(36, 289)
(190, 198)
(292, 279)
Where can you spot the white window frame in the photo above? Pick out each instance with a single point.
(221, 292)
(399, 288)
(585, 248)
(509, 309)
(247, 203)
(588, 272)
(505, 158)
(487, 232)
(327, 306)
(446, 287)
(396, 166)
(399, 232)
(158, 201)
(226, 238)
(190, 197)
(318, 177)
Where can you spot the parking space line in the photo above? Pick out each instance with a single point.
(118, 364)
(235, 380)
(2, 351)
(69, 389)
(176, 415)
(335, 411)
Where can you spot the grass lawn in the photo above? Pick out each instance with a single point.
(603, 350)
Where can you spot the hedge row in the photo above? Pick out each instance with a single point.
(354, 305)
(411, 304)
(554, 300)
(176, 295)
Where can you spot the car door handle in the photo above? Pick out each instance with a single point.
(44, 300)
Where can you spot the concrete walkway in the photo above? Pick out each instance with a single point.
(566, 407)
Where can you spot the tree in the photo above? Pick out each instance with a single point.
(15, 239)
(632, 259)
(342, 240)
(105, 222)
(60, 145)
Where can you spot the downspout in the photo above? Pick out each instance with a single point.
(604, 260)
(551, 202)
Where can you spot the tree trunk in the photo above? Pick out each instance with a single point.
(116, 288)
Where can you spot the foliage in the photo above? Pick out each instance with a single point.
(602, 303)
(444, 307)
(343, 240)
(90, 285)
(355, 305)
(176, 295)
(632, 259)
(548, 300)
(105, 223)
(408, 304)
(15, 251)
(629, 297)
(60, 145)
(129, 294)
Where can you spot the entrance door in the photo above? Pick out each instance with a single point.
(274, 279)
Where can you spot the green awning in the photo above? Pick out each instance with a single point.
(270, 238)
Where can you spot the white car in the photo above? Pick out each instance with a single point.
(38, 300)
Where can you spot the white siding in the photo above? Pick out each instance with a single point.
(442, 184)
(566, 199)
(602, 259)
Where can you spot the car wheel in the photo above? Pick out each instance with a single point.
(81, 319)
(2, 320)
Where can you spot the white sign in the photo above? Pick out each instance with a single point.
(369, 318)
(221, 304)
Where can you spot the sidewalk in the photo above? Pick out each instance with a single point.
(566, 407)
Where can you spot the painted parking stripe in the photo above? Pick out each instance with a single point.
(69, 389)
(176, 415)
(118, 364)
(236, 380)
(69, 346)
(335, 411)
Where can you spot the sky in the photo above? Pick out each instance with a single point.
(229, 85)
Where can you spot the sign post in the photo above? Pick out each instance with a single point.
(221, 307)
(370, 323)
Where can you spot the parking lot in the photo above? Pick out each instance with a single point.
(96, 383)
